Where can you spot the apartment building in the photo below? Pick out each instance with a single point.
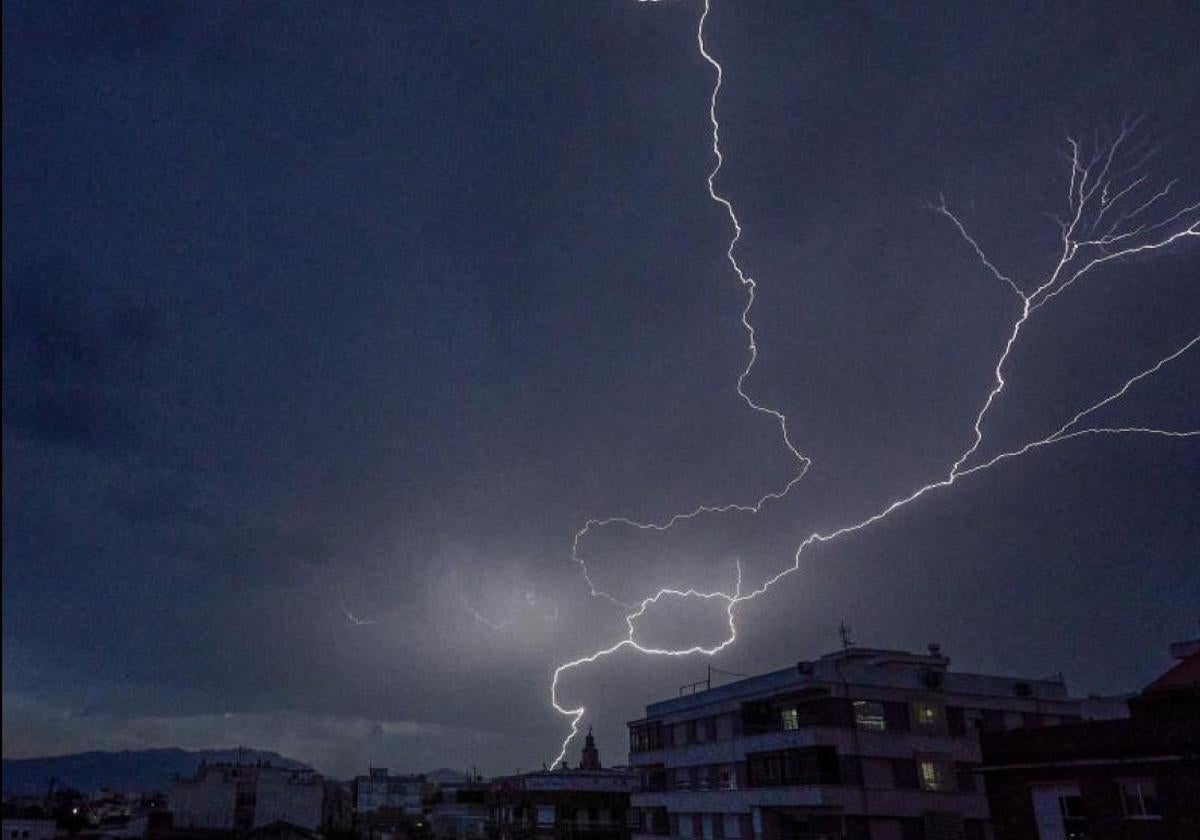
(1136, 778)
(862, 743)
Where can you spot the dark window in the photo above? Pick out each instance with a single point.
(965, 777)
(912, 828)
(1139, 798)
(654, 779)
(757, 716)
(956, 720)
(896, 716)
(851, 770)
(645, 736)
(904, 771)
(811, 766)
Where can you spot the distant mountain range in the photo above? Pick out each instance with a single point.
(130, 770)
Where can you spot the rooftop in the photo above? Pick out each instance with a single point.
(865, 666)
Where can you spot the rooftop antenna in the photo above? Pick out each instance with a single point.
(844, 633)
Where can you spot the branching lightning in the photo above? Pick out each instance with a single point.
(1112, 215)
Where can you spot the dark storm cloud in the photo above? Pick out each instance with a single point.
(75, 358)
(314, 311)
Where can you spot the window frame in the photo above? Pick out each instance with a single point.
(1141, 784)
(865, 716)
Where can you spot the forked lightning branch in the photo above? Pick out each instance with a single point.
(1113, 214)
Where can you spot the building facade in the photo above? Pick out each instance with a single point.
(461, 811)
(379, 791)
(1133, 779)
(863, 743)
(240, 797)
(585, 803)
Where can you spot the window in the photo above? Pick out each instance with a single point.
(869, 715)
(810, 766)
(733, 826)
(645, 737)
(965, 776)
(1140, 799)
(728, 777)
(680, 735)
(933, 774)
(683, 778)
(545, 814)
(724, 727)
(790, 719)
(928, 717)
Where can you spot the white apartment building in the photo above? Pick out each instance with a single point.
(862, 743)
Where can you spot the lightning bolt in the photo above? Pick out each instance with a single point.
(351, 618)
(748, 283)
(1111, 217)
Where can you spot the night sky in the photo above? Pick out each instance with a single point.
(326, 326)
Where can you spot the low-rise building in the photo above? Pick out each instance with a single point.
(585, 803)
(239, 797)
(379, 791)
(1137, 778)
(861, 743)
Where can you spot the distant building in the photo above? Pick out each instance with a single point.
(461, 810)
(587, 803)
(21, 828)
(378, 791)
(1107, 779)
(240, 797)
(862, 743)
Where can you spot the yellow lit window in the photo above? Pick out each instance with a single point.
(928, 715)
(932, 777)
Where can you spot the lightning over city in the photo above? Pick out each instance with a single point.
(606, 420)
(1101, 182)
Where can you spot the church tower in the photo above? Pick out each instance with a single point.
(591, 755)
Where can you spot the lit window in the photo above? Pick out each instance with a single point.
(928, 715)
(932, 775)
(1140, 799)
(791, 719)
(868, 714)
